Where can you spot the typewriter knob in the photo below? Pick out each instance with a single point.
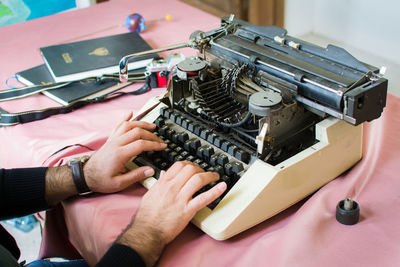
(264, 103)
(190, 67)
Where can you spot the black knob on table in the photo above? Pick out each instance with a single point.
(348, 212)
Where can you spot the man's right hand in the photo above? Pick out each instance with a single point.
(168, 207)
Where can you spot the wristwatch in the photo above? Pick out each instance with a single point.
(78, 176)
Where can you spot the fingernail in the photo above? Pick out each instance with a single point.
(216, 174)
(163, 144)
(221, 185)
(162, 173)
(149, 172)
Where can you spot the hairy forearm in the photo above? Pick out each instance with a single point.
(145, 240)
(167, 208)
(59, 184)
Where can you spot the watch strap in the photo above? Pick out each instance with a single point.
(78, 176)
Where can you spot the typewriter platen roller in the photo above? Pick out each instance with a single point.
(277, 117)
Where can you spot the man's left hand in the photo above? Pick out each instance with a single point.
(105, 171)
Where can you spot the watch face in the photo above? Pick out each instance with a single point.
(83, 159)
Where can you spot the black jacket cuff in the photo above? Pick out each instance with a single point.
(121, 255)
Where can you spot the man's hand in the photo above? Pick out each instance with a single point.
(105, 171)
(167, 208)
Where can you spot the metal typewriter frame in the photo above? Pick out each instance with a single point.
(264, 189)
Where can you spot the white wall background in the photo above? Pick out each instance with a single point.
(369, 29)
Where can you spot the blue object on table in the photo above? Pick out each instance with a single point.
(25, 224)
(135, 23)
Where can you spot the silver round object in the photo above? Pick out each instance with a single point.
(263, 103)
(192, 64)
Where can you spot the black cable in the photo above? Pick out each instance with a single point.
(238, 124)
(58, 151)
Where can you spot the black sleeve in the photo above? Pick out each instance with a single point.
(120, 255)
(22, 192)
(7, 259)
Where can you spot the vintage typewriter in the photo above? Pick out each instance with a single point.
(275, 116)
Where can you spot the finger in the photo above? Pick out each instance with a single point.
(137, 147)
(126, 179)
(162, 173)
(185, 175)
(206, 198)
(136, 134)
(196, 182)
(126, 118)
(122, 181)
(174, 170)
(142, 124)
(126, 126)
(129, 125)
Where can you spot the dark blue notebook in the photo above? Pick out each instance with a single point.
(94, 57)
(83, 89)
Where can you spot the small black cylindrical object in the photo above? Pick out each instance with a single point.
(348, 212)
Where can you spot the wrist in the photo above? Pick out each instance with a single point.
(145, 240)
(91, 175)
(78, 175)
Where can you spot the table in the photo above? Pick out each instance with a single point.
(19, 50)
(306, 234)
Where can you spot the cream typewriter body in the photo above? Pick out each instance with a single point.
(276, 117)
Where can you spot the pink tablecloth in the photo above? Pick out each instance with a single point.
(306, 234)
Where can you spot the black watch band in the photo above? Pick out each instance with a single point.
(78, 176)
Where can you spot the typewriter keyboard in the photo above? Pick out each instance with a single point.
(191, 140)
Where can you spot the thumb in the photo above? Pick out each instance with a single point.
(162, 174)
(135, 175)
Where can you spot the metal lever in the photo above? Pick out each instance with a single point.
(123, 63)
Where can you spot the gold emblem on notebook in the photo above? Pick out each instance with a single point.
(87, 81)
(101, 51)
(66, 58)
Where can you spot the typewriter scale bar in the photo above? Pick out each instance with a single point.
(264, 190)
(334, 90)
(236, 44)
